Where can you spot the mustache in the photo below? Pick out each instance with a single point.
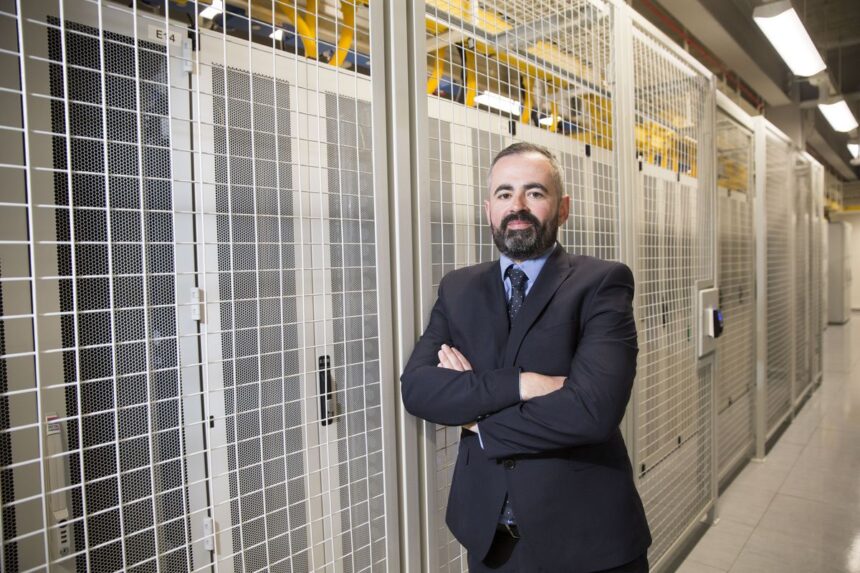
(520, 216)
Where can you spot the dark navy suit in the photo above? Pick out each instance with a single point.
(561, 457)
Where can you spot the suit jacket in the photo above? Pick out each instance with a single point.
(560, 456)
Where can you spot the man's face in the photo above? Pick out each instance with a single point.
(524, 210)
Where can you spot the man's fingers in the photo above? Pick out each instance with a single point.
(463, 361)
(449, 359)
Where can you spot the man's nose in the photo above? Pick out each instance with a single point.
(518, 203)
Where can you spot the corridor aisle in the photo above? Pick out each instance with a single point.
(799, 511)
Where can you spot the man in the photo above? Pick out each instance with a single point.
(535, 356)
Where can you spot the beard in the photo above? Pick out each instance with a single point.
(528, 243)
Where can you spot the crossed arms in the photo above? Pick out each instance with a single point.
(530, 412)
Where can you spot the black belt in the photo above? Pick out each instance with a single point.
(508, 529)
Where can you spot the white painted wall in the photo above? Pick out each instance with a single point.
(854, 219)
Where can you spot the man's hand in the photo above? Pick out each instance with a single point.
(450, 357)
(533, 385)
(453, 359)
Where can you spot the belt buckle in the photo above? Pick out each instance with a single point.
(511, 531)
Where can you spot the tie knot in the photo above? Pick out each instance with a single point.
(517, 277)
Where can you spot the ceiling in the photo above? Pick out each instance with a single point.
(726, 29)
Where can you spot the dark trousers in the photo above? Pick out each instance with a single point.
(508, 555)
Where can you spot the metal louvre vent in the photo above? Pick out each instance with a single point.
(674, 251)
(736, 370)
(510, 71)
(780, 342)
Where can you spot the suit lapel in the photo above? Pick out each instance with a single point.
(555, 270)
(497, 308)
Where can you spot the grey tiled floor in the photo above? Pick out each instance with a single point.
(799, 510)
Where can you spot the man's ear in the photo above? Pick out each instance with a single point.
(563, 209)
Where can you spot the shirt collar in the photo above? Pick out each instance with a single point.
(532, 267)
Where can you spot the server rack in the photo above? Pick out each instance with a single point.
(736, 350)
(775, 274)
(197, 279)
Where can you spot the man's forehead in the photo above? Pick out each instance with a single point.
(524, 159)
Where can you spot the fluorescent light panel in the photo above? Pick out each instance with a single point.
(854, 148)
(499, 102)
(216, 9)
(839, 115)
(783, 28)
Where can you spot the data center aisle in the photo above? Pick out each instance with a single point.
(800, 510)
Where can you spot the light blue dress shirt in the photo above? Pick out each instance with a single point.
(532, 268)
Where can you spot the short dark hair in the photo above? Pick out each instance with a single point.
(524, 147)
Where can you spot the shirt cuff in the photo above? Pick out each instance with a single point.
(477, 430)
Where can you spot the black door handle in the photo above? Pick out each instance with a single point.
(326, 389)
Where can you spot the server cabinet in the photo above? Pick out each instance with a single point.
(736, 349)
(774, 167)
(674, 120)
(112, 473)
(197, 381)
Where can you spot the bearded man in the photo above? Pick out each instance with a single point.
(535, 356)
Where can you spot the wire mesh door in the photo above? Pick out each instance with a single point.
(815, 270)
(802, 171)
(107, 442)
(675, 252)
(293, 353)
(736, 369)
(779, 289)
(500, 72)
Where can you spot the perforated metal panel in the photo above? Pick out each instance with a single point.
(191, 268)
(547, 65)
(780, 279)
(110, 426)
(672, 103)
(736, 349)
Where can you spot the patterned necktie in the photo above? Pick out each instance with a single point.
(518, 293)
(518, 290)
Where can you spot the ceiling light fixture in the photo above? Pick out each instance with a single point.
(839, 115)
(783, 28)
(854, 149)
(216, 9)
(549, 120)
(277, 35)
(499, 102)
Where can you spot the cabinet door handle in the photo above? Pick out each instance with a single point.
(326, 390)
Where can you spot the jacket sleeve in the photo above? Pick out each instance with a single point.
(589, 407)
(449, 397)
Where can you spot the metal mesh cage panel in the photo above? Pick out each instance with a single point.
(817, 263)
(736, 348)
(501, 72)
(107, 432)
(780, 342)
(190, 268)
(674, 399)
(802, 289)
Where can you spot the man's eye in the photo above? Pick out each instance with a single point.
(503, 196)
(536, 194)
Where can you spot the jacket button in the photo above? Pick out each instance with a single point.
(509, 464)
